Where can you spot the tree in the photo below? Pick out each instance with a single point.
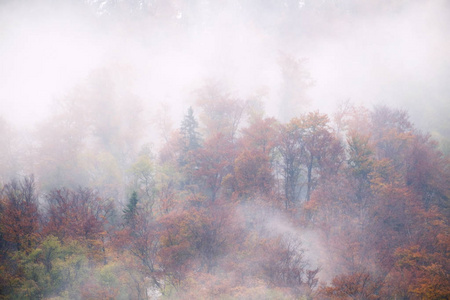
(391, 135)
(425, 273)
(79, 215)
(190, 138)
(253, 167)
(260, 136)
(9, 152)
(130, 211)
(143, 244)
(213, 163)
(222, 113)
(61, 141)
(51, 269)
(307, 146)
(284, 265)
(296, 81)
(19, 229)
(291, 149)
(20, 216)
(428, 174)
(323, 151)
(143, 177)
(253, 174)
(361, 162)
(357, 286)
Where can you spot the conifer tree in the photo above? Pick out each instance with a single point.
(190, 138)
(131, 210)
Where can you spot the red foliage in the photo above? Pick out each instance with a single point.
(78, 215)
(358, 285)
(212, 163)
(19, 223)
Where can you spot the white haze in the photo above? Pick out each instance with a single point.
(274, 223)
(396, 53)
(368, 54)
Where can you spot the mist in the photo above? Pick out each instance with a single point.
(197, 149)
(393, 53)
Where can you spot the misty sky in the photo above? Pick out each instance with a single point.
(396, 54)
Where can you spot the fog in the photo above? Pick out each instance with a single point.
(95, 93)
(394, 53)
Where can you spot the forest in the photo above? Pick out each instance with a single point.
(254, 190)
(235, 205)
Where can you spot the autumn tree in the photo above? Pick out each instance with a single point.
(392, 135)
(142, 244)
(20, 215)
(361, 166)
(323, 151)
(19, 230)
(253, 171)
(79, 215)
(421, 273)
(428, 174)
(291, 150)
(295, 82)
(284, 264)
(51, 270)
(359, 285)
(221, 111)
(142, 174)
(213, 163)
(260, 135)
(308, 149)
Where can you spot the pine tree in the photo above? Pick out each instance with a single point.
(190, 138)
(131, 210)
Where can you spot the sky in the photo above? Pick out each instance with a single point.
(396, 54)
